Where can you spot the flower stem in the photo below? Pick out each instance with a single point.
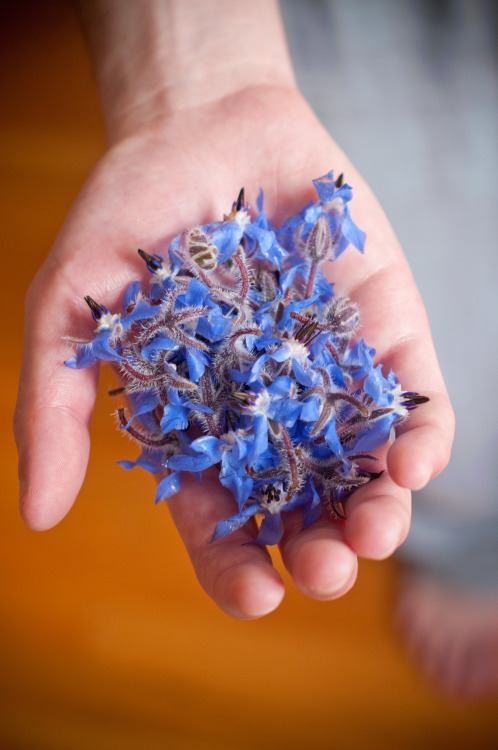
(291, 456)
(139, 436)
(212, 426)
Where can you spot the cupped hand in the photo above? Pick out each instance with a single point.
(149, 187)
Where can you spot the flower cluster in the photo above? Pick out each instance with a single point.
(240, 356)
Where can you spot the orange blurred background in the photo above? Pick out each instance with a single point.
(106, 639)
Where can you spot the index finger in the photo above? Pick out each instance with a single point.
(53, 411)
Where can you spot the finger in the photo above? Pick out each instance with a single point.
(395, 323)
(378, 518)
(52, 415)
(238, 576)
(318, 559)
(423, 440)
(423, 448)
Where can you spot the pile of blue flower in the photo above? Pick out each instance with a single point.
(239, 356)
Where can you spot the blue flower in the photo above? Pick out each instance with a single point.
(170, 485)
(241, 337)
(359, 359)
(142, 403)
(207, 451)
(260, 236)
(333, 206)
(105, 346)
(293, 351)
(101, 348)
(272, 502)
(151, 460)
(176, 412)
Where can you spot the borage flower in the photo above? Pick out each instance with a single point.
(242, 338)
(271, 502)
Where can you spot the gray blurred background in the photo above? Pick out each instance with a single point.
(409, 90)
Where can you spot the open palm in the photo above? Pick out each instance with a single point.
(146, 190)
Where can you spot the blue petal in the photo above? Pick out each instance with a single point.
(174, 418)
(360, 356)
(281, 386)
(353, 234)
(130, 295)
(260, 441)
(142, 311)
(242, 447)
(280, 354)
(83, 358)
(332, 439)
(168, 486)
(311, 409)
(268, 248)
(157, 345)
(377, 386)
(227, 238)
(258, 314)
(287, 233)
(260, 200)
(336, 375)
(234, 476)
(175, 260)
(196, 361)
(195, 463)
(257, 367)
(88, 354)
(286, 411)
(197, 407)
(304, 375)
(149, 459)
(239, 377)
(286, 322)
(270, 531)
(215, 326)
(102, 349)
(210, 446)
(266, 339)
(229, 525)
(374, 436)
(325, 187)
(323, 286)
(312, 510)
(287, 279)
(142, 403)
(197, 294)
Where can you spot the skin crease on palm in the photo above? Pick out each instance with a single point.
(150, 186)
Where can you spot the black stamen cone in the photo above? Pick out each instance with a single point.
(97, 310)
(340, 180)
(412, 400)
(153, 264)
(240, 200)
(338, 509)
(375, 474)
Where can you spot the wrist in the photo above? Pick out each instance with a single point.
(155, 59)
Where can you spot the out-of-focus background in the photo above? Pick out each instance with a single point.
(106, 639)
(409, 90)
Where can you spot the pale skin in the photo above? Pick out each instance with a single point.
(199, 99)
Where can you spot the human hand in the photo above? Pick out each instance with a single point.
(154, 182)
